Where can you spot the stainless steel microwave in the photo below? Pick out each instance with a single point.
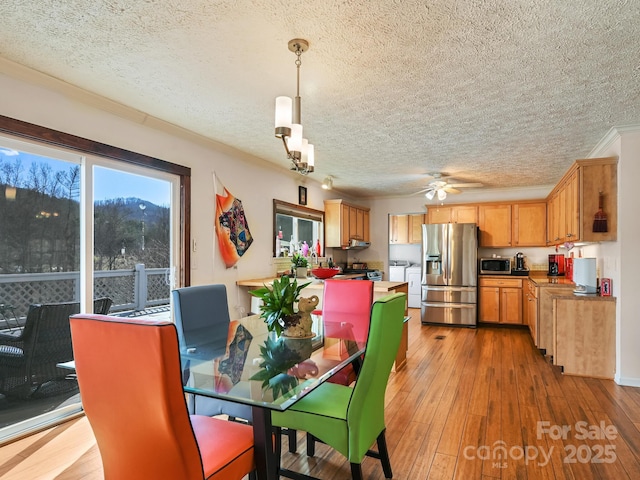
(495, 266)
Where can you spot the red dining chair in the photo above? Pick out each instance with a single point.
(346, 313)
(130, 381)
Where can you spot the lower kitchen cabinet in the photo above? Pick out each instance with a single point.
(530, 310)
(584, 335)
(500, 300)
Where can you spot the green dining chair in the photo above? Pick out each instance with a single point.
(349, 419)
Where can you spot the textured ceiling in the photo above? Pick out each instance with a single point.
(502, 92)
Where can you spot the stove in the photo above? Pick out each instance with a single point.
(369, 273)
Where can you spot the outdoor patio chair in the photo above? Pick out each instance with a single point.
(29, 361)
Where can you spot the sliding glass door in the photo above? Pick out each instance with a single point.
(74, 228)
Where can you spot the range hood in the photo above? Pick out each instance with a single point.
(355, 244)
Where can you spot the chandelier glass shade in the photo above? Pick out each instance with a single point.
(288, 123)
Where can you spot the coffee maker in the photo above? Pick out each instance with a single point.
(556, 265)
(519, 261)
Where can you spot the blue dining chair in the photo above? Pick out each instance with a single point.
(202, 319)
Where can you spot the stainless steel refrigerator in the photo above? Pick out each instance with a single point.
(450, 274)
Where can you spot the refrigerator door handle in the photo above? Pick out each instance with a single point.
(449, 305)
(446, 288)
(446, 261)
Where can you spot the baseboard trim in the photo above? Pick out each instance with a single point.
(627, 381)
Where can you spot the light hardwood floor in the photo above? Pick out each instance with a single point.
(471, 404)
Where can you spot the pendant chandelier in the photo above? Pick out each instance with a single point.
(289, 122)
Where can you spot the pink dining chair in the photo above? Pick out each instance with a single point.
(346, 314)
(130, 382)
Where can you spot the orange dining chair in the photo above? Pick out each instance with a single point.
(129, 375)
(346, 313)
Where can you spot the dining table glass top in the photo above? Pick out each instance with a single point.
(258, 368)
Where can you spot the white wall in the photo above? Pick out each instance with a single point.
(621, 262)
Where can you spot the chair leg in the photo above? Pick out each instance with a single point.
(356, 471)
(384, 455)
(293, 440)
(311, 445)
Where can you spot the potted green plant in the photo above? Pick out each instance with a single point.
(299, 265)
(279, 302)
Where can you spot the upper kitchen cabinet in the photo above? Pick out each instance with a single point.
(405, 228)
(521, 224)
(528, 224)
(574, 202)
(495, 225)
(344, 222)
(452, 214)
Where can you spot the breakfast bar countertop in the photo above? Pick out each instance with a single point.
(378, 287)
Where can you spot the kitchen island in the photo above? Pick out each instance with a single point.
(380, 289)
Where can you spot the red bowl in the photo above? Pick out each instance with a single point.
(323, 273)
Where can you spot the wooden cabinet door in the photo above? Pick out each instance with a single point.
(532, 317)
(489, 304)
(552, 216)
(365, 215)
(359, 233)
(572, 209)
(399, 229)
(345, 220)
(353, 222)
(511, 305)
(439, 215)
(495, 225)
(562, 215)
(529, 224)
(465, 214)
(415, 228)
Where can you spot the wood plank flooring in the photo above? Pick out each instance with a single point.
(471, 404)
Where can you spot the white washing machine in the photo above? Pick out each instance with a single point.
(397, 270)
(413, 276)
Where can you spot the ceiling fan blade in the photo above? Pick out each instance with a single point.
(466, 185)
(450, 189)
(421, 191)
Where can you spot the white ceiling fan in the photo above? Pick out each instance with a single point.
(440, 187)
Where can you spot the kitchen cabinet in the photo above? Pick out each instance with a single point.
(528, 224)
(452, 214)
(545, 293)
(584, 335)
(521, 224)
(415, 227)
(500, 300)
(573, 203)
(494, 221)
(405, 228)
(343, 222)
(530, 310)
(398, 229)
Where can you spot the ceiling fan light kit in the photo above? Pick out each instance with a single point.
(440, 187)
(288, 121)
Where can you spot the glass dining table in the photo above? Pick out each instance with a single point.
(267, 372)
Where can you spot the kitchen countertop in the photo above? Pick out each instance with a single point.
(539, 277)
(381, 286)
